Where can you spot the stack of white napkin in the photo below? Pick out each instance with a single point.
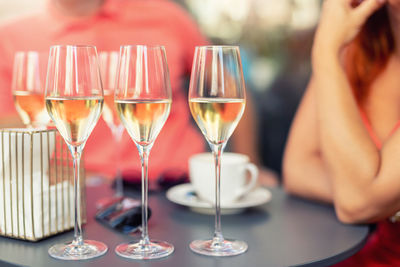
(30, 206)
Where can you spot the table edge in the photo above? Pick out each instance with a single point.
(339, 257)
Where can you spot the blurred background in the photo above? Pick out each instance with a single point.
(275, 39)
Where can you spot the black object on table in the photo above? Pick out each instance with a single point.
(288, 231)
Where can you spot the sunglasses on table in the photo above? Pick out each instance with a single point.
(124, 214)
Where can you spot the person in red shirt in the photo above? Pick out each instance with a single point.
(344, 143)
(108, 24)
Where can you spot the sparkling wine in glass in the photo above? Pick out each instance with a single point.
(74, 100)
(108, 68)
(28, 88)
(143, 99)
(217, 101)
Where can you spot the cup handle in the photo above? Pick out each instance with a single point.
(253, 170)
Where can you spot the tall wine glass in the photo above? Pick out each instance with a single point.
(217, 101)
(74, 100)
(143, 100)
(28, 87)
(108, 68)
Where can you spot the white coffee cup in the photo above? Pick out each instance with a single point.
(238, 176)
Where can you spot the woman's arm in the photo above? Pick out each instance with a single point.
(365, 181)
(304, 171)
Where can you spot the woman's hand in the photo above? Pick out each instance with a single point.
(340, 22)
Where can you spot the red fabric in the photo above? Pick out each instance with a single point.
(370, 130)
(383, 246)
(118, 22)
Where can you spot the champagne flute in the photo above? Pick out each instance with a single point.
(143, 99)
(28, 88)
(217, 102)
(74, 99)
(108, 68)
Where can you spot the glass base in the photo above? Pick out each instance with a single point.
(154, 250)
(226, 248)
(68, 251)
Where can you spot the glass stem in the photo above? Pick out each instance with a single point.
(76, 152)
(144, 152)
(119, 185)
(218, 237)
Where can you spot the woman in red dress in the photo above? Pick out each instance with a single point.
(344, 145)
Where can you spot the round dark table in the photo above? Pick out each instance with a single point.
(288, 231)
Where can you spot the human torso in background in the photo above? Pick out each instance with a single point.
(118, 22)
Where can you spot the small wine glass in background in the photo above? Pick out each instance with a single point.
(143, 98)
(28, 88)
(217, 102)
(108, 68)
(74, 100)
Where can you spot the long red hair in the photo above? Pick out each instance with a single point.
(368, 54)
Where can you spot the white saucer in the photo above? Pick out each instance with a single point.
(183, 194)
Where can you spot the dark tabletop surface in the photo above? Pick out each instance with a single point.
(287, 231)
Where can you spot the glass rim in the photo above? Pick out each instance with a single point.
(108, 52)
(217, 46)
(28, 51)
(72, 46)
(40, 54)
(143, 45)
